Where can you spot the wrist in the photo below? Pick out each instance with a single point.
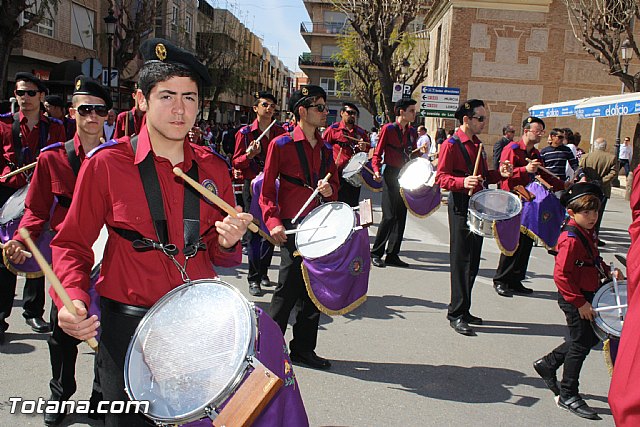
(228, 249)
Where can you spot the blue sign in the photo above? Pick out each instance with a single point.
(441, 90)
(564, 111)
(608, 109)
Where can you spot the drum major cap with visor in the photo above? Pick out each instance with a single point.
(161, 50)
(467, 107)
(87, 86)
(305, 93)
(530, 120)
(578, 190)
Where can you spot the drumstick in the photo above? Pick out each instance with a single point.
(257, 141)
(352, 138)
(338, 156)
(365, 167)
(616, 291)
(477, 166)
(313, 195)
(301, 230)
(26, 253)
(545, 169)
(55, 282)
(126, 122)
(611, 307)
(221, 203)
(19, 170)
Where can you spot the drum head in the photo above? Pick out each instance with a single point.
(415, 174)
(14, 206)
(337, 220)
(355, 164)
(190, 350)
(496, 205)
(608, 322)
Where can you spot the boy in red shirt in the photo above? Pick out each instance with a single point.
(577, 273)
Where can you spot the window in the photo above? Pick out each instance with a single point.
(45, 26)
(174, 15)
(187, 25)
(329, 85)
(82, 20)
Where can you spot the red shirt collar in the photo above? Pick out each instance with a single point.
(23, 118)
(298, 135)
(144, 147)
(464, 138)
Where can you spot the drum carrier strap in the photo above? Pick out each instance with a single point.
(406, 156)
(257, 162)
(596, 261)
(191, 214)
(305, 168)
(19, 150)
(132, 126)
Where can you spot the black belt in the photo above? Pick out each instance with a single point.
(120, 308)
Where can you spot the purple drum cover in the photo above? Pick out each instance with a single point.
(256, 190)
(542, 217)
(338, 282)
(507, 234)
(286, 408)
(422, 202)
(94, 306)
(368, 180)
(30, 268)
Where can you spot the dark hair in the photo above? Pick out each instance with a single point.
(556, 131)
(441, 135)
(577, 138)
(507, 128)
(154, 72)
(308, 101)
(588, 202)
(568, 136)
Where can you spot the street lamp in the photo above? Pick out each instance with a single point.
(626, 52)
(404, 69)
(110, 25)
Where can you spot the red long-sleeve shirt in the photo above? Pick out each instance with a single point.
(452, 167)
(121, 122)
(336, 135)
(516, 153)
(282, 158)
(252, 167)
(109, 191)
(394, 142)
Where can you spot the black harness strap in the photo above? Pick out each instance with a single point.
(595, 260)
(132, 125)
(465, 154)
(17, 140)
(74, 161)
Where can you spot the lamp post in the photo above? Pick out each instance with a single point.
(110, 25)
(404, 69)
(626, 52)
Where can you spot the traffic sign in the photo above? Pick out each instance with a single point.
(92, 67)
(114, 78)
(400, 91)
(437, 101)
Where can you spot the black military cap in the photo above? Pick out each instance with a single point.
(466, 108)
(87, 86)
(28, 77)
(265, 95)
(162, 50)
(306, 92)
(55, 100)
(530, 120)
(350, 105)
(578, 190)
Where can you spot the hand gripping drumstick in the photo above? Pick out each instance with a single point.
(20, 170)
(220, 203)
(256, 143)
(26, 253)
(313, 195)
(477, 166)
(55, 282)
(545, 170)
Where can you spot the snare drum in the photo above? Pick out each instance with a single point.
(417, 187)
(487, 207)
(608, 323)
(329, 226)
(191, 352)
(352, 171)
(10, 216)
(367, 178)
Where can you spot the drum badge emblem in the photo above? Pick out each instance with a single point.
(305, 91)
(355, 266)
(78, 84)
(546, 215)
(287, 367)
(161, 51)
(211, 186)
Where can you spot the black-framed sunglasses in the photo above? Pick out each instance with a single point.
(479, 118)
(31, 93)
(86, 109)
(351, 112)
(320, 107)
(267, 105)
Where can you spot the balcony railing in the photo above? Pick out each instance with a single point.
(319, 60)
(324, 27)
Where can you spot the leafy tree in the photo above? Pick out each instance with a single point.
(12, 30)
(136, 19)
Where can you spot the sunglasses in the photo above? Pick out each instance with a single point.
(479, 118)
(31, 93)
(86, 109)
(351, 112)
(267, 105)
(320, 107)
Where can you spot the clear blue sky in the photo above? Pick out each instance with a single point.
(277, 22)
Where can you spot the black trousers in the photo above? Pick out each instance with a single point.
(464, 255)
(575, 349)
(259, 250)
(348, 193)
(512, 270)
(32, 297)
(290, 290)
(63, 352)
(603, 204)
(394, 216)
(117, 330)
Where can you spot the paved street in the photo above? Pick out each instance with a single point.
(396, 361)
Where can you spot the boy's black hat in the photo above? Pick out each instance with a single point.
(55, 100)
(578, 190)
(530, 120)
(306, 92)
(28, 77)
(466, 108)
(162, 50)
(265, 95)
(87, 86)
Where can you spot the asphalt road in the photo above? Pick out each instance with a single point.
(396, 361)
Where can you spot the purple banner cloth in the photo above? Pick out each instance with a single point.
(286, 409)
(337, 283)
(422, 202)
(543, 216)
(256, 190)
(371, 183)
(507, 234)
(94, 306)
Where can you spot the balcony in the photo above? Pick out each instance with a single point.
(308, 60)
(323, 28)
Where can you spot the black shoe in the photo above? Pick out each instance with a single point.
(266, 282)
(502, 290)
(601, 243)
(377, 261)
(462, 327)
(521, 289)
(2, 337)
(576, 405)
(38, 325)
(94, 402)
(311, 359)
(395, 260)
(548, 374)
(471, 319)
(54, 418)
(255, 289)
